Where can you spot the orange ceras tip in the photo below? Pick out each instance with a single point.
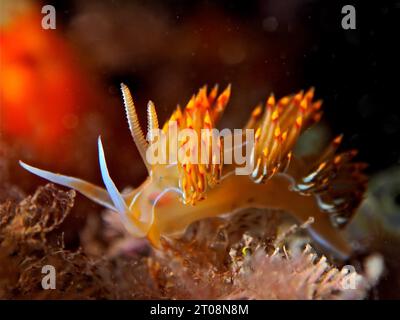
(213, 94)
(298, 97)
(271, 101)
(207, 120)
(337, 159)
(284, 101)
(191, 103)
(338, 139)
(310, 94)
(277, 178)
(303, 104)
(284, 136)
(258, 134)
(321, 166)
(275, 115)
(224, 97)
(317, 104)
(277, 132)
(299, 121)
(257, 111)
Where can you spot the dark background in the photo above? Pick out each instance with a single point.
(355, 72)
(166, 50)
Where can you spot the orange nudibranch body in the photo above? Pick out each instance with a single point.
(177, 193)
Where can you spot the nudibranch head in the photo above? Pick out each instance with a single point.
(179, 191)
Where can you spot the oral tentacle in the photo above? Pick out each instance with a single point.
(90, 190)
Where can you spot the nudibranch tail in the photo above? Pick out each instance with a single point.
(337, 183)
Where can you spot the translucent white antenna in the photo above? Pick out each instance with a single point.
(115, 195)
(93, 192)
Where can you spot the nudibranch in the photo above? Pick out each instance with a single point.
(327, 188)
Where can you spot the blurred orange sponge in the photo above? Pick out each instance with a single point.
(42, 87)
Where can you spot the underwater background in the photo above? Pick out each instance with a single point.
(59, 90)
